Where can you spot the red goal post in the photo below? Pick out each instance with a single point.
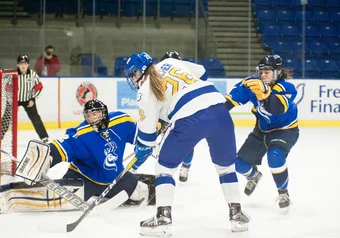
(8, 119)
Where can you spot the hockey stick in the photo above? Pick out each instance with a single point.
(60, 190)
(62, 228)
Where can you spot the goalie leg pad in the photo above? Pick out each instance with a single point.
(19, 197)
(150, 180)
(141, 192)
(35, 162)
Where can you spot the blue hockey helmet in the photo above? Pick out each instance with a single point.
(137, 62)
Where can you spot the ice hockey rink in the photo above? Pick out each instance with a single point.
(199, 209)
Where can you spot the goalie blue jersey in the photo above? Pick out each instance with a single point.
(277, 112)
(96, 155)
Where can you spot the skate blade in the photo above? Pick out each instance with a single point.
(237, 227)
(159, 231)
(284, 210)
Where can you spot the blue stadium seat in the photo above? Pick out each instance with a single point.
(184, 8)
(262, 5)
(291, 63)
(119, 66)
(192, 60)
(281, 5)
(333, 5)
(69, 7)
(88, 7)
(312, 34)
(290, 33)
(167, 8)
(150, 8)
(334, 51)
(265, 17)
(329, 34)
(282, 48)
(110, 7)
(101, 68)
(329, 69)
(335, 17)
(298, 50)
(318, 50)
(294, 65)
(86, 66)
(31, 6)
(309, 18)
(316, 5)
(271, 30)
(131, 7)
(214, 67)
(285, 18)
(312, 69)
(296, 5)
(322, 18)
(270, 35)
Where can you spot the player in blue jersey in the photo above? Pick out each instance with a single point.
(276, 130)
(173, 92)
(186, 164)
(94, 150)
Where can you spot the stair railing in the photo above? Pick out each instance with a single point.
(207, 44)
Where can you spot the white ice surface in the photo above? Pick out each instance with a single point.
(199, 208)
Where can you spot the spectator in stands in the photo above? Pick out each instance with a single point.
(48, 63)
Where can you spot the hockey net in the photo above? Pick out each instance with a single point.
(9, 120)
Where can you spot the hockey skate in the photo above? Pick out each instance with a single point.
(184, 173)
(159, 225)
(284, 201)
(252, 183)
(239, 221)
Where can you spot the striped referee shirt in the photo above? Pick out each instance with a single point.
(29, 85)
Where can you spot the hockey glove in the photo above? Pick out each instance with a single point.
(162, 126)
(260, 89)
(142, 153)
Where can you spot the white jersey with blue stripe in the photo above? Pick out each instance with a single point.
(186, 94)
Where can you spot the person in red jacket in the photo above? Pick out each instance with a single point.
(48, 63)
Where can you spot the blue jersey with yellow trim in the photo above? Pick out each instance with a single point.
(277, 112)
(97, 155)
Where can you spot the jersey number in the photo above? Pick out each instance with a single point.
(186, 77)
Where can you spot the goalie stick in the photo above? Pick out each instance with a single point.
(56, 188)
(63, 228)
(60, 190)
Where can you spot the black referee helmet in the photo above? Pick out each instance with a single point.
(23, 58)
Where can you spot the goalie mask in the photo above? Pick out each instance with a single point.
(96, 114)
(271, 62)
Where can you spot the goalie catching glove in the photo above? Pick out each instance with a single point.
(35, 162)
(259, 88)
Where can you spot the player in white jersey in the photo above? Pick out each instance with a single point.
(172, 91)
(186, 164)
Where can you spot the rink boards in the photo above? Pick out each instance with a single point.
(60, 104)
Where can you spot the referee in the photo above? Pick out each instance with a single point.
(29, 88)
